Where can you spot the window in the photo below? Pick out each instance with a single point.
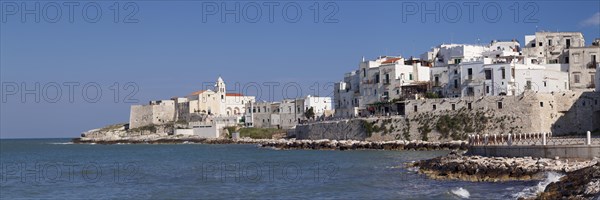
(364, 72)
(528, 85)
(470, 73)
(568, 43)
(503, 73)
(487, 89)
(541, 104)
(575, 58)
(457, 61)
(453, 106)
(455, 71)
(499, 104)
(593, 59)
(436, 81)
(488, 74)
(434, 107)
(512, 72)
(397, 91)
(410, 77)
(469, 106)
(387, 79)
(470, 91)
(576, 78)
(540, 44)
(455, 83)
(415, 108)
(545, 84)
(566, 59)
(549, 42)
(376, 78)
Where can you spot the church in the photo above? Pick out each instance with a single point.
(218, 102)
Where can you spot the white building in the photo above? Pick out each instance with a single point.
(381, 80)
(567, 50)
(445, 71)
(218, 102)
(510, 77)
(285, 114)
(319, 104)
(347, 95)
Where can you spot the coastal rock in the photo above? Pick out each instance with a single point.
(493, 169)
(580, 184)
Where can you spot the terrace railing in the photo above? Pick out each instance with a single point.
(530, 139)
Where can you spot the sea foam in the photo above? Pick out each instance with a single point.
(461, 192)
(533, 191)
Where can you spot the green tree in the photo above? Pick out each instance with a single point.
(310, 113)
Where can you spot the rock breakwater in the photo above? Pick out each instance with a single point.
(288, 143)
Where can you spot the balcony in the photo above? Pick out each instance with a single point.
(592, 65)
(591, 85)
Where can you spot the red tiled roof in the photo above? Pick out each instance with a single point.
(197, 92)
(234, 94)
(391, 60)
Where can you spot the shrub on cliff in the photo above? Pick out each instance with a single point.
(258, 133)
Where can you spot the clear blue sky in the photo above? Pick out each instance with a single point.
(176, 46)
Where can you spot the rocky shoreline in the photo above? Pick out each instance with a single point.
(494, 169)
(290, 143)
(580, 184)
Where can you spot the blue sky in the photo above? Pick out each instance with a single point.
(171, 48)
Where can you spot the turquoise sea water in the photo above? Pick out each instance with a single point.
(56, 169)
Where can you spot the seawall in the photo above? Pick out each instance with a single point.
(563, 151)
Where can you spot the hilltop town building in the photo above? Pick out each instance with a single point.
(548, 62)
(287, 113)
(566, 50)
(207, 107)
(380, 80)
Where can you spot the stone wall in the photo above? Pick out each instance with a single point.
(455, 118)
(158, 112)
(338, 130)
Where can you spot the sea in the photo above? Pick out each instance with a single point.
(59, 169)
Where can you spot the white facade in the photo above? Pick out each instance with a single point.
(379, 80)
(285, 114)
(347, 95)
(218, 102)
(492, 78)
(319, 104)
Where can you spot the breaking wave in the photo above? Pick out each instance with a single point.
(533, 191)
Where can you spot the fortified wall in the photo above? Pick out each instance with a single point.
(454, 118)
(157, 112)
